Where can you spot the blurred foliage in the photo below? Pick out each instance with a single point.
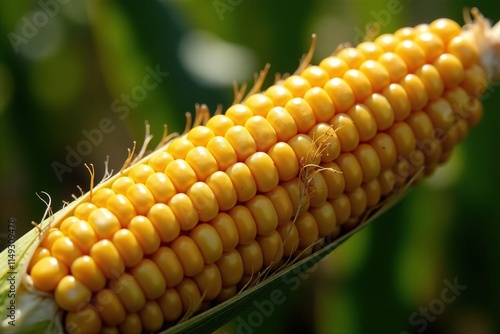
(78, 63)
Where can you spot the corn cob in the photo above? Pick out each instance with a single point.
(280, 174)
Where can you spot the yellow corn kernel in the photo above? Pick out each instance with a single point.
(264, 214)
(376, 74)
(259, 104)
(181, 174)
(315, 75)
(109, 307)
(303, 146)
(415, 90)
(161, 187)
(84, 321)
(239, 114)
(341, 94)
(334, 66)
(387, 181)
(281, 203)
(209, 282)
(446, 29)
(279, 95)
(262, 132)
(334, 179)
(290, 236)
(184, 211)
(223, 190)
(65, 250)
(373, 193)
(432, 81)
(159, 161)
(431, 44)
(364, 122)
(358, 201)
(243, 181)
(351, 170)
(170, 304)
(450, 68)
(370, 50)
(302, 114)
(131, 325)
(342, 207)
(226, 229)
(38, 254)
(83, 210)
(222, 151)
(145, 233)
(108, 259)
(86, 271)
(151, 316)
(297, 85)
(179, 147)
(252, 258)
(208, 241)
(441, 114)
(200, 135)
(129, 292)
(381, 110)
(346, 131)
(230, 267)
(188, 254)
(325, 218)
(360, 85)
(109, 330)
(128, 247)
(190, 295)
(71, 294)
(204, 201)
(141, 197)
(164, 222)
(369, 161)
(140, 173)
(242, 142)
(399, 100)
(403, 138)
(475, 82)
(394, 65)
(219, 124)
(202, 162)
(352, 56)
(282, 122)
(104, 223)
(150, 278)
(421, 125)
(318, 190)
(387, 42)
(307, 229)
(272, 248)
(299, 196)
(120, 206)
(101, 196)
(284, 160)
(405, 33)
(464, 50)
(325, 136)
(411, 53)
(82, 235)
(169, 265)
(320, 103)
(244, 222)
(263, 171)
(386, 150)
(66, 224)
(47, 273)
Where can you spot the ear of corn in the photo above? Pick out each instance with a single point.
(283, 176)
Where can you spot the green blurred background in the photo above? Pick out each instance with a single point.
(67, 66)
